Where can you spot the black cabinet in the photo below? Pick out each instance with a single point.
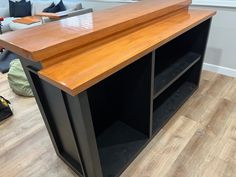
(101, 130)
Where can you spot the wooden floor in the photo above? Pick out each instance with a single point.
(199, 141)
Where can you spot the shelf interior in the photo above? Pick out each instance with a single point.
(117, 145)
(177, 71)
(166, 104)
(121, 123)
(164, 79)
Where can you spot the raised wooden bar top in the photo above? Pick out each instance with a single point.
(49, 39)
(79, 68)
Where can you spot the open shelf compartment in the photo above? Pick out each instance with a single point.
(177, 72)
(165, 78)
(167, 103)
(120, 109)
(118, 144)
(176, 57)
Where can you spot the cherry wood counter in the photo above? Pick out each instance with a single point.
(104, 58)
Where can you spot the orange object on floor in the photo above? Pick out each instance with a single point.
(27, 20)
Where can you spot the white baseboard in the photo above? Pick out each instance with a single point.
(220, 69)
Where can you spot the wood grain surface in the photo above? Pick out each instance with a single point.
(199, 141)
(41, 42)
(81, 68)
(49, 15)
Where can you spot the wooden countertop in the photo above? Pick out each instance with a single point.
(73, 58)
(82, 68)
(47, 40)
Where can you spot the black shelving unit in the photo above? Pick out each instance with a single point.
(100, 131)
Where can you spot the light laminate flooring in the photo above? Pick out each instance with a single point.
(199, 141)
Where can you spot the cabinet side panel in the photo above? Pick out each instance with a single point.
(54, 112)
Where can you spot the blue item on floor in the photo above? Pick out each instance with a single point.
(5, 59)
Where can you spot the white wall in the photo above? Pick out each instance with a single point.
(221, 49)
(101, 5)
